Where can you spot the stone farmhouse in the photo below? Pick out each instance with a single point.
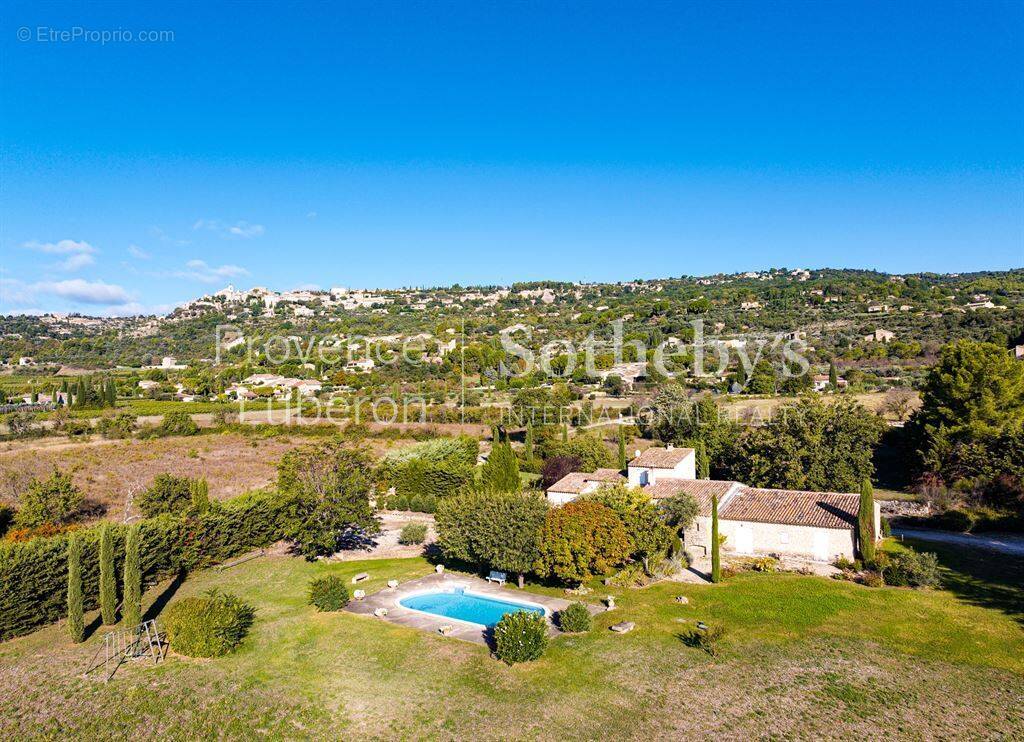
(820, 526)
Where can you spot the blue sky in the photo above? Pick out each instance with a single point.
(394, 144)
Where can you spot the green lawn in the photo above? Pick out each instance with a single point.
(802, 657)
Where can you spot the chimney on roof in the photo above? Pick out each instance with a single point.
(636, 454)
(669, 446)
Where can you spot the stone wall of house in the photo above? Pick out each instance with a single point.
(560, 498)
(744, 537)
(643, 476)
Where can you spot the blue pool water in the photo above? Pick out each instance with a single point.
(466, 606)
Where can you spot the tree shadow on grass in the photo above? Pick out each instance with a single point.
(158, 605)
(980, 577)
(93, 626)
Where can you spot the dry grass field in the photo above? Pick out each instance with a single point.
(107, 470)
(760, 409)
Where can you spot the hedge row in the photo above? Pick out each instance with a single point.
(34, 573)
(429, 479)
(424, 504)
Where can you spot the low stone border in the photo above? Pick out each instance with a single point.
(397, 614)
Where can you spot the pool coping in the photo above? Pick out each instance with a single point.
(466, 631)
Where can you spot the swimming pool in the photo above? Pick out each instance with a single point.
(462, 605)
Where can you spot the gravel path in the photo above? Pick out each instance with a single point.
(1005, 543)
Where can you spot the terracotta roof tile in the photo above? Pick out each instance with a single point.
(793, 507)
(702, 490)
(575, 482)
(661, 458)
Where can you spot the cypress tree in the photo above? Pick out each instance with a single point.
(565, 433)
(741, 375)
(200, 492)
(108, 580)
(716, 561)
(622, 448)
(132, 579)
(76, 621)
(866, 522)
(501, 472)
(529, 440)
(703, 461)
(833, 377)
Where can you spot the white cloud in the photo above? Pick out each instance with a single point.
(79, 254)
(85, 292)
(246, 230)
(137, 252)
(109, 299)
(161, 235)
(198, 270)
(75, 262)
(311, 215)
(64, 247)
(13, 291)
(134, 308)
(241, 229)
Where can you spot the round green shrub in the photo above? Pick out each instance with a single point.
(208, 626)
(413, 533)
(871, 579)
(575, 619)
(177, 423)
(520, 637)
(953, 520)
(912, 569)
(167, 494)
(328, 593)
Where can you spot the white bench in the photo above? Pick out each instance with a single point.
(495, 576)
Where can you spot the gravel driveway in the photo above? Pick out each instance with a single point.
(1005, 543)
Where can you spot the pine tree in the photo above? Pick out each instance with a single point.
(703, 461)
(622, 448)
(108, 580)
(200, 492)
(833, 377)
(866, 522)
(132, 579)
(501, 472)
(76, 621)
(529, 440)
(716, 561)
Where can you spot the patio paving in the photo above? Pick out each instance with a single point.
(397, 614)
